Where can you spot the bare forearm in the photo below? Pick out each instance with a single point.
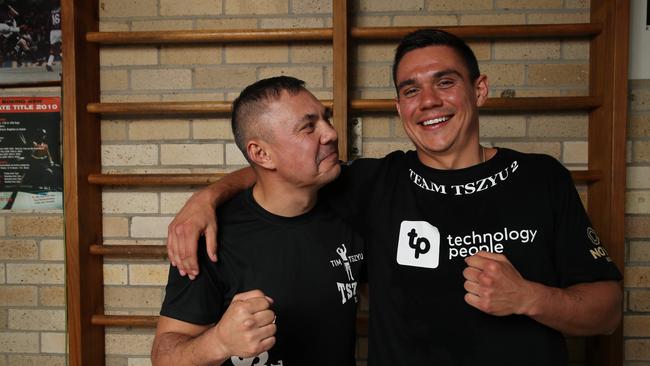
(176, 349)
(582, 309)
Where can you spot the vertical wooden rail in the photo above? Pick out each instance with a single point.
(340, 77)
(81, 153)
(607, 134)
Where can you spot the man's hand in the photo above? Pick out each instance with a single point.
(197, 217)
(247, 328)
(494, 286)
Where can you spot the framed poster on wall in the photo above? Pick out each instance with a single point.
(30, 153)
(639, 67)
(30, 41)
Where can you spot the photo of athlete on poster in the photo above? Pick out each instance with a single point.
(30, 41)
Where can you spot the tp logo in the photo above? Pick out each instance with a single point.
(418, 245)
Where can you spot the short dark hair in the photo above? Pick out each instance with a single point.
(435, 37)
(251, 101)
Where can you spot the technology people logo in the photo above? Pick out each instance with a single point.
(418, 244)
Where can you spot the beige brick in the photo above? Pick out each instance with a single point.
(471, 5)
(373, 21)
(18, 249)
(149, 227)
(36, 360)
(312, 76)
(52, 250)
(224, 77)
(121, 26)
(527, 50)
(128, 344)
(190, 7)
(575, 50)
(239, 54)
(161, 79)
(148, 274)
(504, 74)
(161, 25)
(227, 23)
(115, 226)
(575, 152)
(640, 99)
(261, 7)
(172, 202)
(115, 274)
(129, 155)
(576, 4)
(3, 231)
(127, 8)
(558, 75)
(425, 20)
(164, 129)
(53, 343)
(502, 126)
(129, 202)
(40, 273)
(381, 149)
(639, 251)
(388, 5)
(133, 297)
(562, 125)
(113, 130)
(51, 295)
(550, 148)
(14, 342)
(292, 22)
(116, 361)
(120, 98)
(636, 326)
(375, 52)
(3, 321)
(234, 156)
(21, 319)
(375, 126)
(637, 226)
(368, 76)
(639, 300)
(558, 18)
(641, 151)
(113, 80)
(211, 129)
(3, 277)
(128, 55)
(637, 202)
(491, 19)
(35, 226)
(639, 125)
(310, 53)
(482, 50)
(191, 55)
(178, 96)
(311, 6)
(18, 295)
(528, 4)
(638, 177)
(191, 154)
(637, 276)
(637, 349)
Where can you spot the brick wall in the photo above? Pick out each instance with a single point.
(32, 276)
(31, 265)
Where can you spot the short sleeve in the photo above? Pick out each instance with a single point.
(580, 254)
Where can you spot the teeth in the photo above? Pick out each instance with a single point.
(435, 121)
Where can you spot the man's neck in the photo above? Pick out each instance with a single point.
(282, 200)
(453, 160)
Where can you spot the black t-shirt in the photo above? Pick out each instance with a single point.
(309, 265)
(420, 223)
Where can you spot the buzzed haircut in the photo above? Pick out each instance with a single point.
(435, 37)
(251, 103)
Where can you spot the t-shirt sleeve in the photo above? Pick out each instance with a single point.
(199, 301)
(580, 254)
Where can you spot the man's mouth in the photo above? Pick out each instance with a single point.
(435, 121)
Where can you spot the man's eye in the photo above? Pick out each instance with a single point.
(445, 83)
(409, 92)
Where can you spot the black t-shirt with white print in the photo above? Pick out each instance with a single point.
(419, 224)
(309, 265)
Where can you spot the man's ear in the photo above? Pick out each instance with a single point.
(399, 112)
(482, 88)
(260, 154)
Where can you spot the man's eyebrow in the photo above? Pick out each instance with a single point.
(437, 75)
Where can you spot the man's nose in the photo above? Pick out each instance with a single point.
(429, 98)
(328, 133)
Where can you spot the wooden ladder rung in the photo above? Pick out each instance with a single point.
(326, 34)
(188, 179)
(522, 104)
(131, 251)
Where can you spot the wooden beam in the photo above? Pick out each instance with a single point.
(340, 74)
(38, 84)
(82, 206)
(129, 251)
(607, 147)
(153, 179)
